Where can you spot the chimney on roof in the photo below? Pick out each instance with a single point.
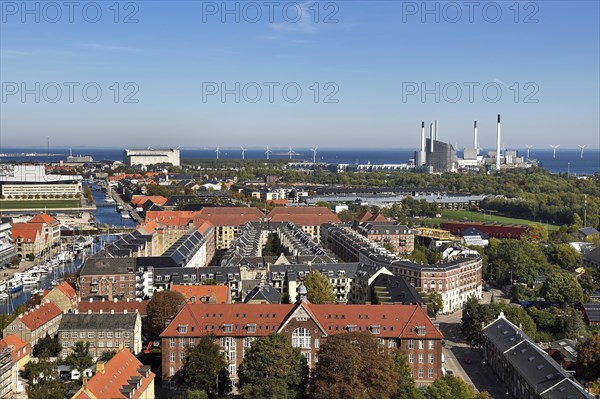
(100, 368)
(124, 311)
(101, 311)
(89, 311)
(37, 306)
(112, 311)
(91, 299)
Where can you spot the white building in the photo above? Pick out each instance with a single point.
(151, 157)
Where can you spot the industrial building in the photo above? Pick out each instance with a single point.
(23, 181)
(151, 156)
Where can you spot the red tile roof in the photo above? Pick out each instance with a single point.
(304, 216)
(117, 374)
(204, 227)
(39, 316)
(44, 218)
(118, 306)
(171, 218)
(203, 291)
(139, 200)
(66, 289)
(229, 216)
(19, 349)
(393, 320)
(27, 231)
(278, 202)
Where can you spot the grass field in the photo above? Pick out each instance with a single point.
(464, 215)
(39, 204)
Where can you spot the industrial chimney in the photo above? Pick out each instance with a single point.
(475, 138)
(436, 130)
(431, 137)
(422, 152)
(498, 145)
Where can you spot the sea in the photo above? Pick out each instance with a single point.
(565, 160)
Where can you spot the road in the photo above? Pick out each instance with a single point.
(466, 362)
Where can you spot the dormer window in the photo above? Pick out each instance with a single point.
(351, 328)
(375, 329)
(251, 328)
(182, 329)
(420, 330)
(227, 328)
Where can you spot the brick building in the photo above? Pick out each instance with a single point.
(63, 296)
(400, 237)
(309, 218)
(36, 323)
(307, 326)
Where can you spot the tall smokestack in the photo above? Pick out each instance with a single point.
(475, 137)
(423, 136)
(431, 137)
(436, 130)
(498, 145)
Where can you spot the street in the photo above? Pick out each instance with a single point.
(466, 362)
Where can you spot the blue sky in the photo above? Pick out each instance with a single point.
(367, 56)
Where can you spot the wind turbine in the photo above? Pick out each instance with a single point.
(291, 152)
(218, 151)
(314, 150)
(554, 147)
(243, 152)
(582, 147)
(528, 148)
(268, 152)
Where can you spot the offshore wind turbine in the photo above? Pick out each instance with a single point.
(243, 152)
(554, 147)
(218, 151)
(314, 150)
(268, 152)
(528, 148)
(291, 152)
(582, 146)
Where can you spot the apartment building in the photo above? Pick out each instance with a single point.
(307, 326)
(35, 324)
(104, 331)
(399, 237)
(14, 355)
(309, 218)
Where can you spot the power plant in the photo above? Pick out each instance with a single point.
(435, 156)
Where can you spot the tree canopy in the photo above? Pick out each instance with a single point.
(272, 368)
(353, 365)
(318, 288)
(47, 347)
(562, 287)
(163, 306)
(42, 380)
(588, 358)
(451, 387)
(202, 365)
(406, 388)
(80, 358)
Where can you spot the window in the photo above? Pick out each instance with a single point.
(251, 328)
(421, 344)
(65, 344)
(301, 338)
(118, 334)
(100, 334)
(411, 344)
(420, 373)
(391, 343)
(232, 369)
(375, 329)
(191, 342)
(421, 358)
(109, 334)
(65, 335)
(227, 328)
(126, 334)
(171, 371)
(411, 357)
(127, 344)
(172, 357)
(181, 356)
(172, 343)
(82, 334)
(316, 343)
(430, 344)
(91, 334)
(109, 343)
(430, 358)
(182, 329)
(307, 357)
(181, 341)
(420, 330)
(430, 373)
(248, 341)
(74, 335)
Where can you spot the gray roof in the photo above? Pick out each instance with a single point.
(592, 311)
(395, 289)
(98, 321)
(182, 251)
(503, 334)
(567, 389)
(586, 231)
(107, 266)
(593, 255)
(265, 292)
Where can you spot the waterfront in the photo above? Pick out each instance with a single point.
(106, 212)
(566, 159)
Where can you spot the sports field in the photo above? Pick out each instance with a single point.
(39, 204)
(465, 215)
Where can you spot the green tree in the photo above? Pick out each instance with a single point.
(318, 288)
(42, 380)
(80, 358)
(163, 306)
(588, 358)
(47, 347)
(404, 378)
(451, 387)
(272, 368)
(564, 256)
(202, 365)
(107, 355)
(437, 302)
(193, 394)
(353, 365)
(562, 287)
